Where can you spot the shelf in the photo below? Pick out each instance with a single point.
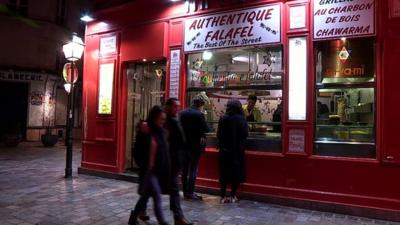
(244, 87)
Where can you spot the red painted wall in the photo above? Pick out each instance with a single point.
(151, 31)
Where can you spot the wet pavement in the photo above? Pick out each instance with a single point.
(34, 191)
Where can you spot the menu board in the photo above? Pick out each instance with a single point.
(174, 73)
(296, 140)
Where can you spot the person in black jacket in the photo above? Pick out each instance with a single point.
(232, 134)
(195, 128)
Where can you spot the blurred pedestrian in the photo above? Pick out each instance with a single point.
(154, 166)
(232, 134)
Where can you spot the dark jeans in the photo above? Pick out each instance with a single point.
(234, 187)
(189, 173)
(152, 189)
(174, 200)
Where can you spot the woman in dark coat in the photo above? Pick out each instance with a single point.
(232, 134)
(154, 165)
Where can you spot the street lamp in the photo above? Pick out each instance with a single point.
(73, 52)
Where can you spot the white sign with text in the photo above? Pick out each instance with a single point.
(108, 45)
(174, 72)
(343, 18)
(237, 28)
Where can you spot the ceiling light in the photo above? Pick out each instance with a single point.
(87, 18)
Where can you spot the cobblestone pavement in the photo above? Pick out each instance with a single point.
(33, 191)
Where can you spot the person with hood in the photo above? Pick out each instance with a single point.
(232, 134)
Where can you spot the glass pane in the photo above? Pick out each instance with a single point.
(240, 73)
(345, 109)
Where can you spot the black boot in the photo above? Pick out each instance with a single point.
(133, 219)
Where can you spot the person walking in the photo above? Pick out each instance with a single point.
(232, 134)
(195, 128)
(154, 165)
(176, 142)
(175, 139)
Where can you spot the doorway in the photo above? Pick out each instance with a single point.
(146, 88)
(14, 113)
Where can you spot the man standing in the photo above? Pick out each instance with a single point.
(194, 127)
(251, 112)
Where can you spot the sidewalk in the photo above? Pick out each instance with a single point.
(33, 191)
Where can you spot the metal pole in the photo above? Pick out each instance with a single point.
(70, 125)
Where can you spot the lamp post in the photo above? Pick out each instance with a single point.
(73, 52)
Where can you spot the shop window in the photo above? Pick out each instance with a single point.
(18, 6)
(345, 98)
(251, 75)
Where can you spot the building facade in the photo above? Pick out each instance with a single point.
(31, 63)
(323, 72)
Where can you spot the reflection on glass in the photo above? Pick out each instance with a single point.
(251, 75)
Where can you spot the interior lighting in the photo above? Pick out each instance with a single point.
(207, 55)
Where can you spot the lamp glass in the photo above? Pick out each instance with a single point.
(73, 50)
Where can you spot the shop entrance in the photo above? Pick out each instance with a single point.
(14, 113)
(146, 88)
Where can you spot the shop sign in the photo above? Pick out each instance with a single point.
(20, 76)
(238, 28)
(106, 81)
(108, 45)
(296, 140)
(174, 74)
(343, 18)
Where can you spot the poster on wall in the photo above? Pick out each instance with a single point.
(106, 81)
(174, 73)
(237, 28)
(297, 17)
(395, 8)
(296, 141)
(333, 19)
(108, 45)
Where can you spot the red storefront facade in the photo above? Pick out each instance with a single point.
(318, 158)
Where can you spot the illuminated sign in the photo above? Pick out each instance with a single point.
(333, 18)
(237, 28)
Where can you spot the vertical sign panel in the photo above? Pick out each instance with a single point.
(297, 78)
(106, 81)
(174, 72)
